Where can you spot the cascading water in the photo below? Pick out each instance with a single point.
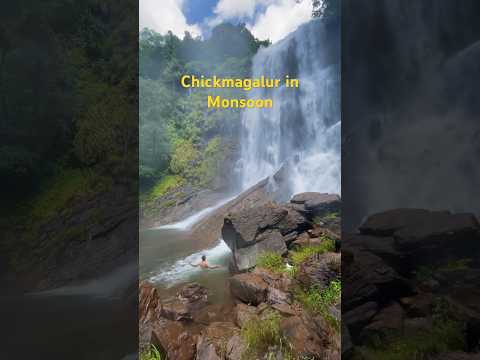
(302, 130)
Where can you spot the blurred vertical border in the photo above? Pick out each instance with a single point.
(69, 173)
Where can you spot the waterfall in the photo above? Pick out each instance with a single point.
(302, 130)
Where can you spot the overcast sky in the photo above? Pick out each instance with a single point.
(272, 19)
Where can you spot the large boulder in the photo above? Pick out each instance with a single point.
(412, 228)
(366, 277)
(249, 288)
(269, 241)
(359, 317)
(317, 204)
(172, 338)
(242, 229)
(387, 321)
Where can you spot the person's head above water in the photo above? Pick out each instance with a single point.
(204, 258)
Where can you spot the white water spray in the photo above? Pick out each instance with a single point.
(181, 270)
(303, 127)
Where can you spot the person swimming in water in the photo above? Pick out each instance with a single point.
(204, 264)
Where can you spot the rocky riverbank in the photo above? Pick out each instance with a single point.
(411, 287)
(285, 287)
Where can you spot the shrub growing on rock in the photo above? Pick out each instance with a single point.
(271, 261)
(262, 334)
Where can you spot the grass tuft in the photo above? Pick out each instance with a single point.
(271, 261)
(300, 255)
(152, 354)
(318, 300)
(261, 334)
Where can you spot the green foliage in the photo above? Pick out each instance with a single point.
(318, 300)
(63, 188)
(260, 334)
(425, 273)
(445, 335)
(167, 183)
(305, 252)
(459, 264)
(178, 134)
(271, 261)
(184, 159)
(152, 354)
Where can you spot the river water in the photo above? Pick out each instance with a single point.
(165, 257)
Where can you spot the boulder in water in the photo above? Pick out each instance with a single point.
(270, 241)
(250, 232)
(242, 229)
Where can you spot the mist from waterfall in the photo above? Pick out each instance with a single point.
(302, 130)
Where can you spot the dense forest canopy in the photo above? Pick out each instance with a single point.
(181, 141)
(66, 101)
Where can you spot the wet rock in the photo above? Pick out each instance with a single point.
(386, 223)
(419, 305)
(206, 350)
(249, 288)
(304, 341)
(172, 338)
(294, 221)
(289, 238)
(241, 229)
(176, 311)
(319, 270)
(317, 204)
(285, 309)
(438, 227)
(369, 278)
(277, 296)
(244, 313)
(302, 240)
(413, 325)
(274, 280)
(190, 299)
(360, 316)
(269, 241)
(389, 320)
(384, 247)
(236, 347)
(412, 228)
(213, 342)
(194, 296)
(148, 302)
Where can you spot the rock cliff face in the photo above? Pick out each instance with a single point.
(270, 227)
(409, 272)
(97, 234)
